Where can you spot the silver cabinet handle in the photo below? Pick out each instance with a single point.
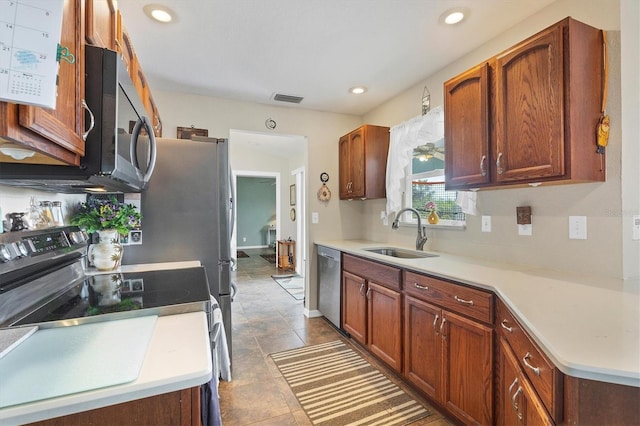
(504, 323)
(361, 289)
(421, 287)
(368, 295)
(483, 170)
(526, 358)
(498, 166)
(91, 118)
(515, 382)
(435, 321)
(465, 302)
(514, 403)
(441, 327)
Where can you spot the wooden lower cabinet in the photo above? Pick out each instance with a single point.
(372, 315)
(354, 315)
(449, 358)
(385, 324)
(517, 401)
(179, 408)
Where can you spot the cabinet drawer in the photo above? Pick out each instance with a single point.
(467, 301)
(545, 377)
(382, 274)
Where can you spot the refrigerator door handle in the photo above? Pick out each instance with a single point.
(234, 290)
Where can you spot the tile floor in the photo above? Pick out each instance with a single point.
(266, 319)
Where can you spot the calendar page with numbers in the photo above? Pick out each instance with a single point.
(29, 35)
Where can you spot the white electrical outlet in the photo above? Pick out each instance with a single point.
(315, 218)
(577, 227)
(526, 230)
(636, 227)
(486, 223)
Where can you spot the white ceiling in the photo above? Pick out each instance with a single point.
(317, 49)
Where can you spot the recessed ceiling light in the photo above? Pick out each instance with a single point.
(358, 90)
(159, 13)
(452, 16)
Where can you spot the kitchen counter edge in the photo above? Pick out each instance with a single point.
(178, 357)
(555, 308)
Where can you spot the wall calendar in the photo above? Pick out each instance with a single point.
(29, 35)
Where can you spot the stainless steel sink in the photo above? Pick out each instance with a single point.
(401, 253)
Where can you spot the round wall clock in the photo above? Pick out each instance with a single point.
(292, 214)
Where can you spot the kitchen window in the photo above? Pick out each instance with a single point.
(426, 184)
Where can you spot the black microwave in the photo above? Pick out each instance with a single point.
(120, 149)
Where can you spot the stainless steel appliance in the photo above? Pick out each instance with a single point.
(186, 213)
(120, 148)
(329, 284)
(43, 281)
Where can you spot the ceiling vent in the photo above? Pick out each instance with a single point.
(287, 98)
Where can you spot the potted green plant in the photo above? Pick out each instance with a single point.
(110, 219)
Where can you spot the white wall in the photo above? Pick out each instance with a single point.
(549, 247)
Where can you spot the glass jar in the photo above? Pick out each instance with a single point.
(56, 211)
(47, 214)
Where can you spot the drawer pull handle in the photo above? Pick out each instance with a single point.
(435, 321)
(421, 287)
(466, 302)
(504, 325)
(526, 362)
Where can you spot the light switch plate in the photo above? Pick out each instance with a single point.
(486, 223)
(315, 218)
(577, 227)
(526, 230)
(636, 227)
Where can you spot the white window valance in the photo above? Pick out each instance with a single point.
(403, 139)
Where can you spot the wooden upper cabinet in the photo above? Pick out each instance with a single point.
(466, 108)
(101, 23)
(363, 162)
(529, 142)
(56, 134)
(124, 46)
(542, 105)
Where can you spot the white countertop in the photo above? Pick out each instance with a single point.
(588, 326)
(178, 357)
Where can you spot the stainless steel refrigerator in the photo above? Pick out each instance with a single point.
(187, 212)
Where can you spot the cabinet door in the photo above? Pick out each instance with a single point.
(422, 347)
(529, 136)
(354, 305)
(345, 168)
(517, 401)
(357, 163)
(466, 106)
(385, 324)
(101, 23)
(467, 369)
(56, 132)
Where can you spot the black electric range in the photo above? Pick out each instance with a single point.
(45, 282)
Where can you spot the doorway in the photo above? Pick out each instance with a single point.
(283, 158)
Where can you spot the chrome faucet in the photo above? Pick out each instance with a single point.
(422, 237)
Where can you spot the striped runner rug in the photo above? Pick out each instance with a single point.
(336, 386)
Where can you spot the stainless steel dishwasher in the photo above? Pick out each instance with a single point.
(329, 284)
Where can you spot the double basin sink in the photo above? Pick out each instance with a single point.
(400, 253)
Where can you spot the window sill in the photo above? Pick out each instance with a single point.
(442, 224)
